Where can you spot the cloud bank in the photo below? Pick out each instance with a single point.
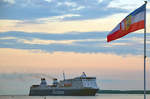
(34, 9)
(78, 42)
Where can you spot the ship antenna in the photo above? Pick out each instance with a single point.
(64, 75)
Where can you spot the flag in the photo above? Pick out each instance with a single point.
(134, 21)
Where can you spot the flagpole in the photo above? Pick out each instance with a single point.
(145, 52)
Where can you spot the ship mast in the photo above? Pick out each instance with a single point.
(63, 75)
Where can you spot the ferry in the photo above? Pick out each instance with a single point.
(78, 86)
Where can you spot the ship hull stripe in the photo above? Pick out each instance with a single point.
(66, 92)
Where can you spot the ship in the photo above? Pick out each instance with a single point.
(78, 86)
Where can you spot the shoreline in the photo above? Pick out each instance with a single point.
(123, 92)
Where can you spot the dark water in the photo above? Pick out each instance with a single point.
(98, 96)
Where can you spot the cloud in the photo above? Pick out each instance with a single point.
(45, 42)
(34, 9)
(53, 36)
(57, 25)
(7, 38)
(79, 42)
(79, 8)
(9, 1)
(48, 0)
(70, 4)
(125, 4)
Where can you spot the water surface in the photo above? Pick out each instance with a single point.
(98, 96)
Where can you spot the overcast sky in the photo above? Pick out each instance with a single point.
(50, 36)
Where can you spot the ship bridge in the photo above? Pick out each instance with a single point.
(88, 82)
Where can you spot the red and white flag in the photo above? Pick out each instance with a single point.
(134, 21)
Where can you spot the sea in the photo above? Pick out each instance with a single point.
(98, 96)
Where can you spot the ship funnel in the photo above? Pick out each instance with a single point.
(55, 82)
(43, 82)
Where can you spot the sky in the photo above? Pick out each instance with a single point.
(43, 38)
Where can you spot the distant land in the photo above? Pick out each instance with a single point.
(123, 91)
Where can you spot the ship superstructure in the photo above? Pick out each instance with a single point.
(78, 86)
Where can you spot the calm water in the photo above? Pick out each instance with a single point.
(98, 96)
